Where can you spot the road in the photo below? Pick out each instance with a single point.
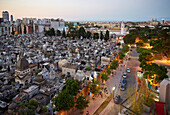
(133, 64)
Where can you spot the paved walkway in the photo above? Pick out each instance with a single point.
(95, 104)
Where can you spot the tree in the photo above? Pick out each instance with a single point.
(118, 44)
(94, 87)
(108, 71)
(64, 101)
(72, 87)
(88, 68)
(101, 35)
(58, 33)
(129, 39)
(81, 103)
(25, 31)
(33, 103)
(20, 30)
(124, 50)
(96, 35)
(82, 32)
(72, 32)
(88, 34)
(104, 77)
(145, 58)
(12, 31)
(50, 32)
(107, 35)
(114, 64)
(64, 33)
(44, 109)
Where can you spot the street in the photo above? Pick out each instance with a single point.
(133, 63)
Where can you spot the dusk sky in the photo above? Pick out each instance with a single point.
(89, 10)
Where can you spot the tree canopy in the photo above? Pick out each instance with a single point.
(72, 87)
(64, 33)
(64, 101)
(58, 33)
(104, 77)
(88, 34)
(96, 35)
(107, 35)
(50, 32)
(101, 35)
(129, 39)
(114, 64)
(81, 102)
(94, 86)
(82, 32)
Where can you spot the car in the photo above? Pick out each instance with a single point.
(123, 87)
(117, 99)
(124, 75)
(124, 81)
(128, 70)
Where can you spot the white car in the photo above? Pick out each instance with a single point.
(124, 75)
(128, 70)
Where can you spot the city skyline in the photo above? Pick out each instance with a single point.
(96, 10)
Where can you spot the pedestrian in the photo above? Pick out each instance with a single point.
(87, 112)
(93, 98)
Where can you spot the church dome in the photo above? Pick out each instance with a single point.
(22, 64)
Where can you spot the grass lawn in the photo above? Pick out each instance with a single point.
(103, 105)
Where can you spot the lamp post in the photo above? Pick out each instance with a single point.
(113, 90)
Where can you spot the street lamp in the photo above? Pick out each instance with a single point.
(113, 89)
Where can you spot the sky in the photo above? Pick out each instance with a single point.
(89, 10)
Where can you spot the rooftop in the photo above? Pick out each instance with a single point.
(70, 65)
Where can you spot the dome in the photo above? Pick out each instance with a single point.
(22, 64)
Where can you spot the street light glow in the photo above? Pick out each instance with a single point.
(113, 88)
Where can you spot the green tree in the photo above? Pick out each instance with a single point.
(88, 68)
(104, 77)
(108, 71)
(12, 31)
(25, 31)
(107, 35)
(72, 87)
(64, 33)
(33, 103)
(82, 32)
(96, 35)
(64, 101)
(94, 86)
(101, 35)
(129, 39)
(50, 32)
(114, 64)
(81, 103)
(44, 109)
(88, 34)
(20, 30)
(58, 33)
(72, 32)
(118, 44)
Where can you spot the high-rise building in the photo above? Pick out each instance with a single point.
(5, 16)
(12, 19)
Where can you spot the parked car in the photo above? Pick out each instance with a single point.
(123, 87)
(124, 75)
(128, 70)
(124, 81)
(117, 99)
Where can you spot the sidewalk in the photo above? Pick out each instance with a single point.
(112, 108)
(113, 81)
(95, 104)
